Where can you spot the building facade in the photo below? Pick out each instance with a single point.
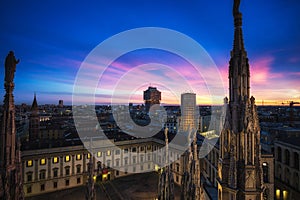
(287, 169)
(53, 169)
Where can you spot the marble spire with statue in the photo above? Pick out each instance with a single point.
(239, 168)
(11, 186)
(166, 181)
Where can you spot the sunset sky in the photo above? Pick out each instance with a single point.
(52, 39)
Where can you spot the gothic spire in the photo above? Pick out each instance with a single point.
(239, 73)
(239, 167)
(34, 106)
(10, 167)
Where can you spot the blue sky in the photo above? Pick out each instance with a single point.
(52, 38)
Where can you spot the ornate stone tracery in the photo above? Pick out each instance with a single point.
(241, 128)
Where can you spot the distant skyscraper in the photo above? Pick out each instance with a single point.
(61, 103)
(10, 158)
(34, 121)
(240, 167)
(189, 112)
(151, 96)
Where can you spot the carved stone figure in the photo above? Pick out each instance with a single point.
(10, 67)
(236, 6)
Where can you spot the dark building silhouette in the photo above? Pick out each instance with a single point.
(61, 103)
(151, 96)
(34, 121)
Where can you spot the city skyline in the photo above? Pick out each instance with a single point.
(52, 41)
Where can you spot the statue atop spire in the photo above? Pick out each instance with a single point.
(239, 167)
(239, 73)
(10, 67)
(236, 6)
(10, 161)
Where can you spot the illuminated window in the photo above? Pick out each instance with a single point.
(277, 194)
(99, 153)
(285, 195)
(78, 157)
(43, 161)
(108, 153)
(88, 155)
(265, 172)
(67, 158)
(29, 163)
(55, 159)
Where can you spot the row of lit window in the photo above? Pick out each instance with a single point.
(55, 160)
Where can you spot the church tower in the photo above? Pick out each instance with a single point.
(34, 121)
(10, 160)
(239, 169)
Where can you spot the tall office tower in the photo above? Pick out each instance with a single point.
(10, 160)
(152, 96)
(189, 112)
(61, 103)
(239, 168)
(34, 121)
